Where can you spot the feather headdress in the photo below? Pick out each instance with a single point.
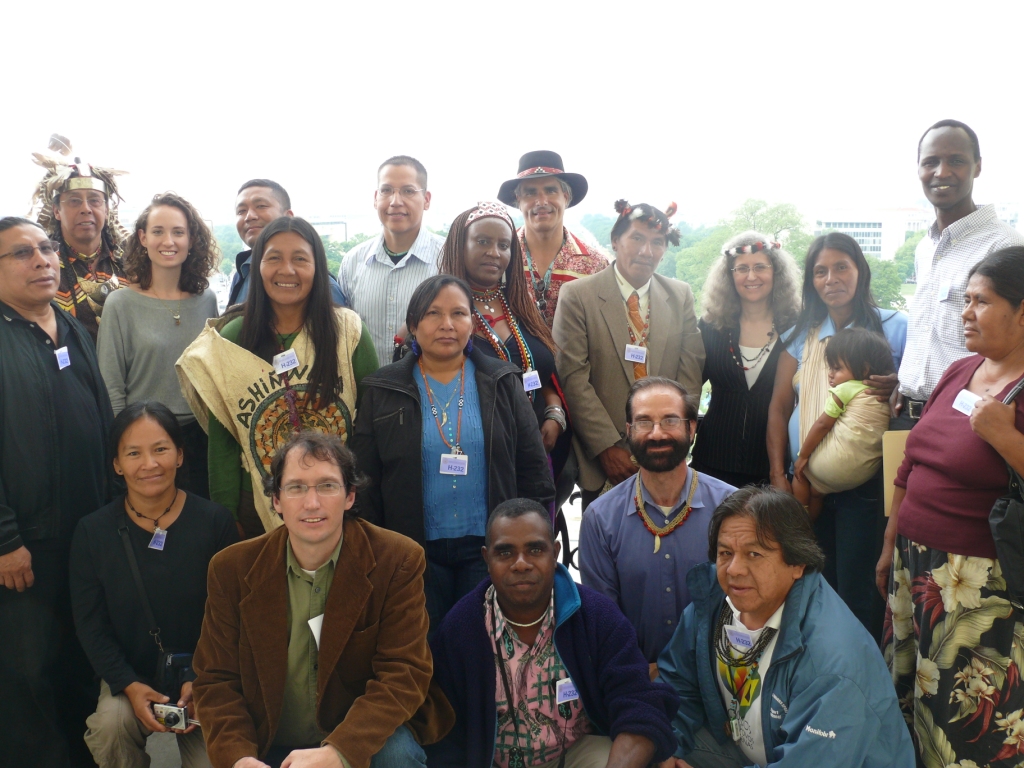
(650, 216)
(59, 173)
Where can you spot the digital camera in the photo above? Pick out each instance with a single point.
(171, 717)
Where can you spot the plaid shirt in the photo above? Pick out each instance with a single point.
(542, 728)
(574, 261)
(935, 336)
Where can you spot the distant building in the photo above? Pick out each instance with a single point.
(1009, 213)
(331, 227)
(878, 231)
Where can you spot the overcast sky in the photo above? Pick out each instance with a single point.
(819, 104)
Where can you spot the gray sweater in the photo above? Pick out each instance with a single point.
(138, 344)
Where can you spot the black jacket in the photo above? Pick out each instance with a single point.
(388, 435)
(30, 477)
(733, 433)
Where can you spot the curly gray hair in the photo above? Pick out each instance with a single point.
(722, 302)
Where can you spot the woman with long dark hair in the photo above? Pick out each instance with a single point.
(172, 535)
(482, 249)
(836, 295)
(168, 260)
(288, 359)
(445, 435)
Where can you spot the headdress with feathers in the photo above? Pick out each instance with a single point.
(59, 172)
(651, 216)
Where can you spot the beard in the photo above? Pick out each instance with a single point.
(660, 462)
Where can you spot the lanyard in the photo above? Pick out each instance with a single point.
(516, 756)
(644, 330)
(433, 408)
(289, 395)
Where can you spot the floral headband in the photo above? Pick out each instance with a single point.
(739, 250)
(486, 208)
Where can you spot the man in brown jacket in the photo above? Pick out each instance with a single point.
(325, 587)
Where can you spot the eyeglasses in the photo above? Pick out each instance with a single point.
(646, 425)
(93, 201)
(298, 490)
(758, 269)
(407, 193)
(48, 248)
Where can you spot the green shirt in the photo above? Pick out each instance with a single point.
(307, 599)
(845, 392)
(224, 459)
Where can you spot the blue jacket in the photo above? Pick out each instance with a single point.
(598, 647)
(828, 698)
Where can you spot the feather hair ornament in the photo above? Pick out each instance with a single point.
(59, 170)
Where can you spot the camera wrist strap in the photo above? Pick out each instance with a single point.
(154, 630)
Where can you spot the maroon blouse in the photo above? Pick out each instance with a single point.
(951, 475)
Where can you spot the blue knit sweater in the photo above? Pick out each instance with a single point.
(598, 647)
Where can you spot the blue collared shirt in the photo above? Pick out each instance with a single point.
(894, 325)
(617, 556)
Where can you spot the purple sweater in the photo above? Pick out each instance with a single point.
(598, 647)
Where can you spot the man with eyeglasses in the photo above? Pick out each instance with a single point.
(54, 418)
(79, 211)
(640, 539)
(259, 202)
(378, 277)
(314, 644)
(542, 190)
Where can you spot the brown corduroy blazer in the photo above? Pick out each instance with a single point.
(375, 666)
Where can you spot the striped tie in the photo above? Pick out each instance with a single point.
(633, 304)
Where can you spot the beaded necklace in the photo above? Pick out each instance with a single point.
(525, 355)
(675, 522)
(765, 350)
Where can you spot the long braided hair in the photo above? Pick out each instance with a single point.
(453, 262)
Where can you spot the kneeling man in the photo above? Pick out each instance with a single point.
(541, 671)
(771, 666)
(324, 587)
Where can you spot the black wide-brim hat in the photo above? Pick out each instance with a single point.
(534, 165)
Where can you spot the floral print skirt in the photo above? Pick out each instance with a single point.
(955, 648)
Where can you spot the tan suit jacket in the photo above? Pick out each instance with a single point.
(375, 665)
(591, 332)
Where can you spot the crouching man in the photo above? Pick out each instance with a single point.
(771, 667)
(541, 671)
(314, 645)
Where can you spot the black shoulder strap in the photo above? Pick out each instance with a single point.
(154, 630)
(1014, 392)
(1015, 479)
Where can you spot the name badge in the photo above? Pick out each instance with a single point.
(739, 639)
(531, 381)
(63, 360)
(565, 690)
(285, 361)
(944, 288)
(636, 354)
(454, 464)
(965, 401)
(159, 537)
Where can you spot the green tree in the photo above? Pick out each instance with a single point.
(694, 262)
(600, 227)
(885, 284)
(336, 249)
(778, 221)
(229, 243)
(904, 258)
